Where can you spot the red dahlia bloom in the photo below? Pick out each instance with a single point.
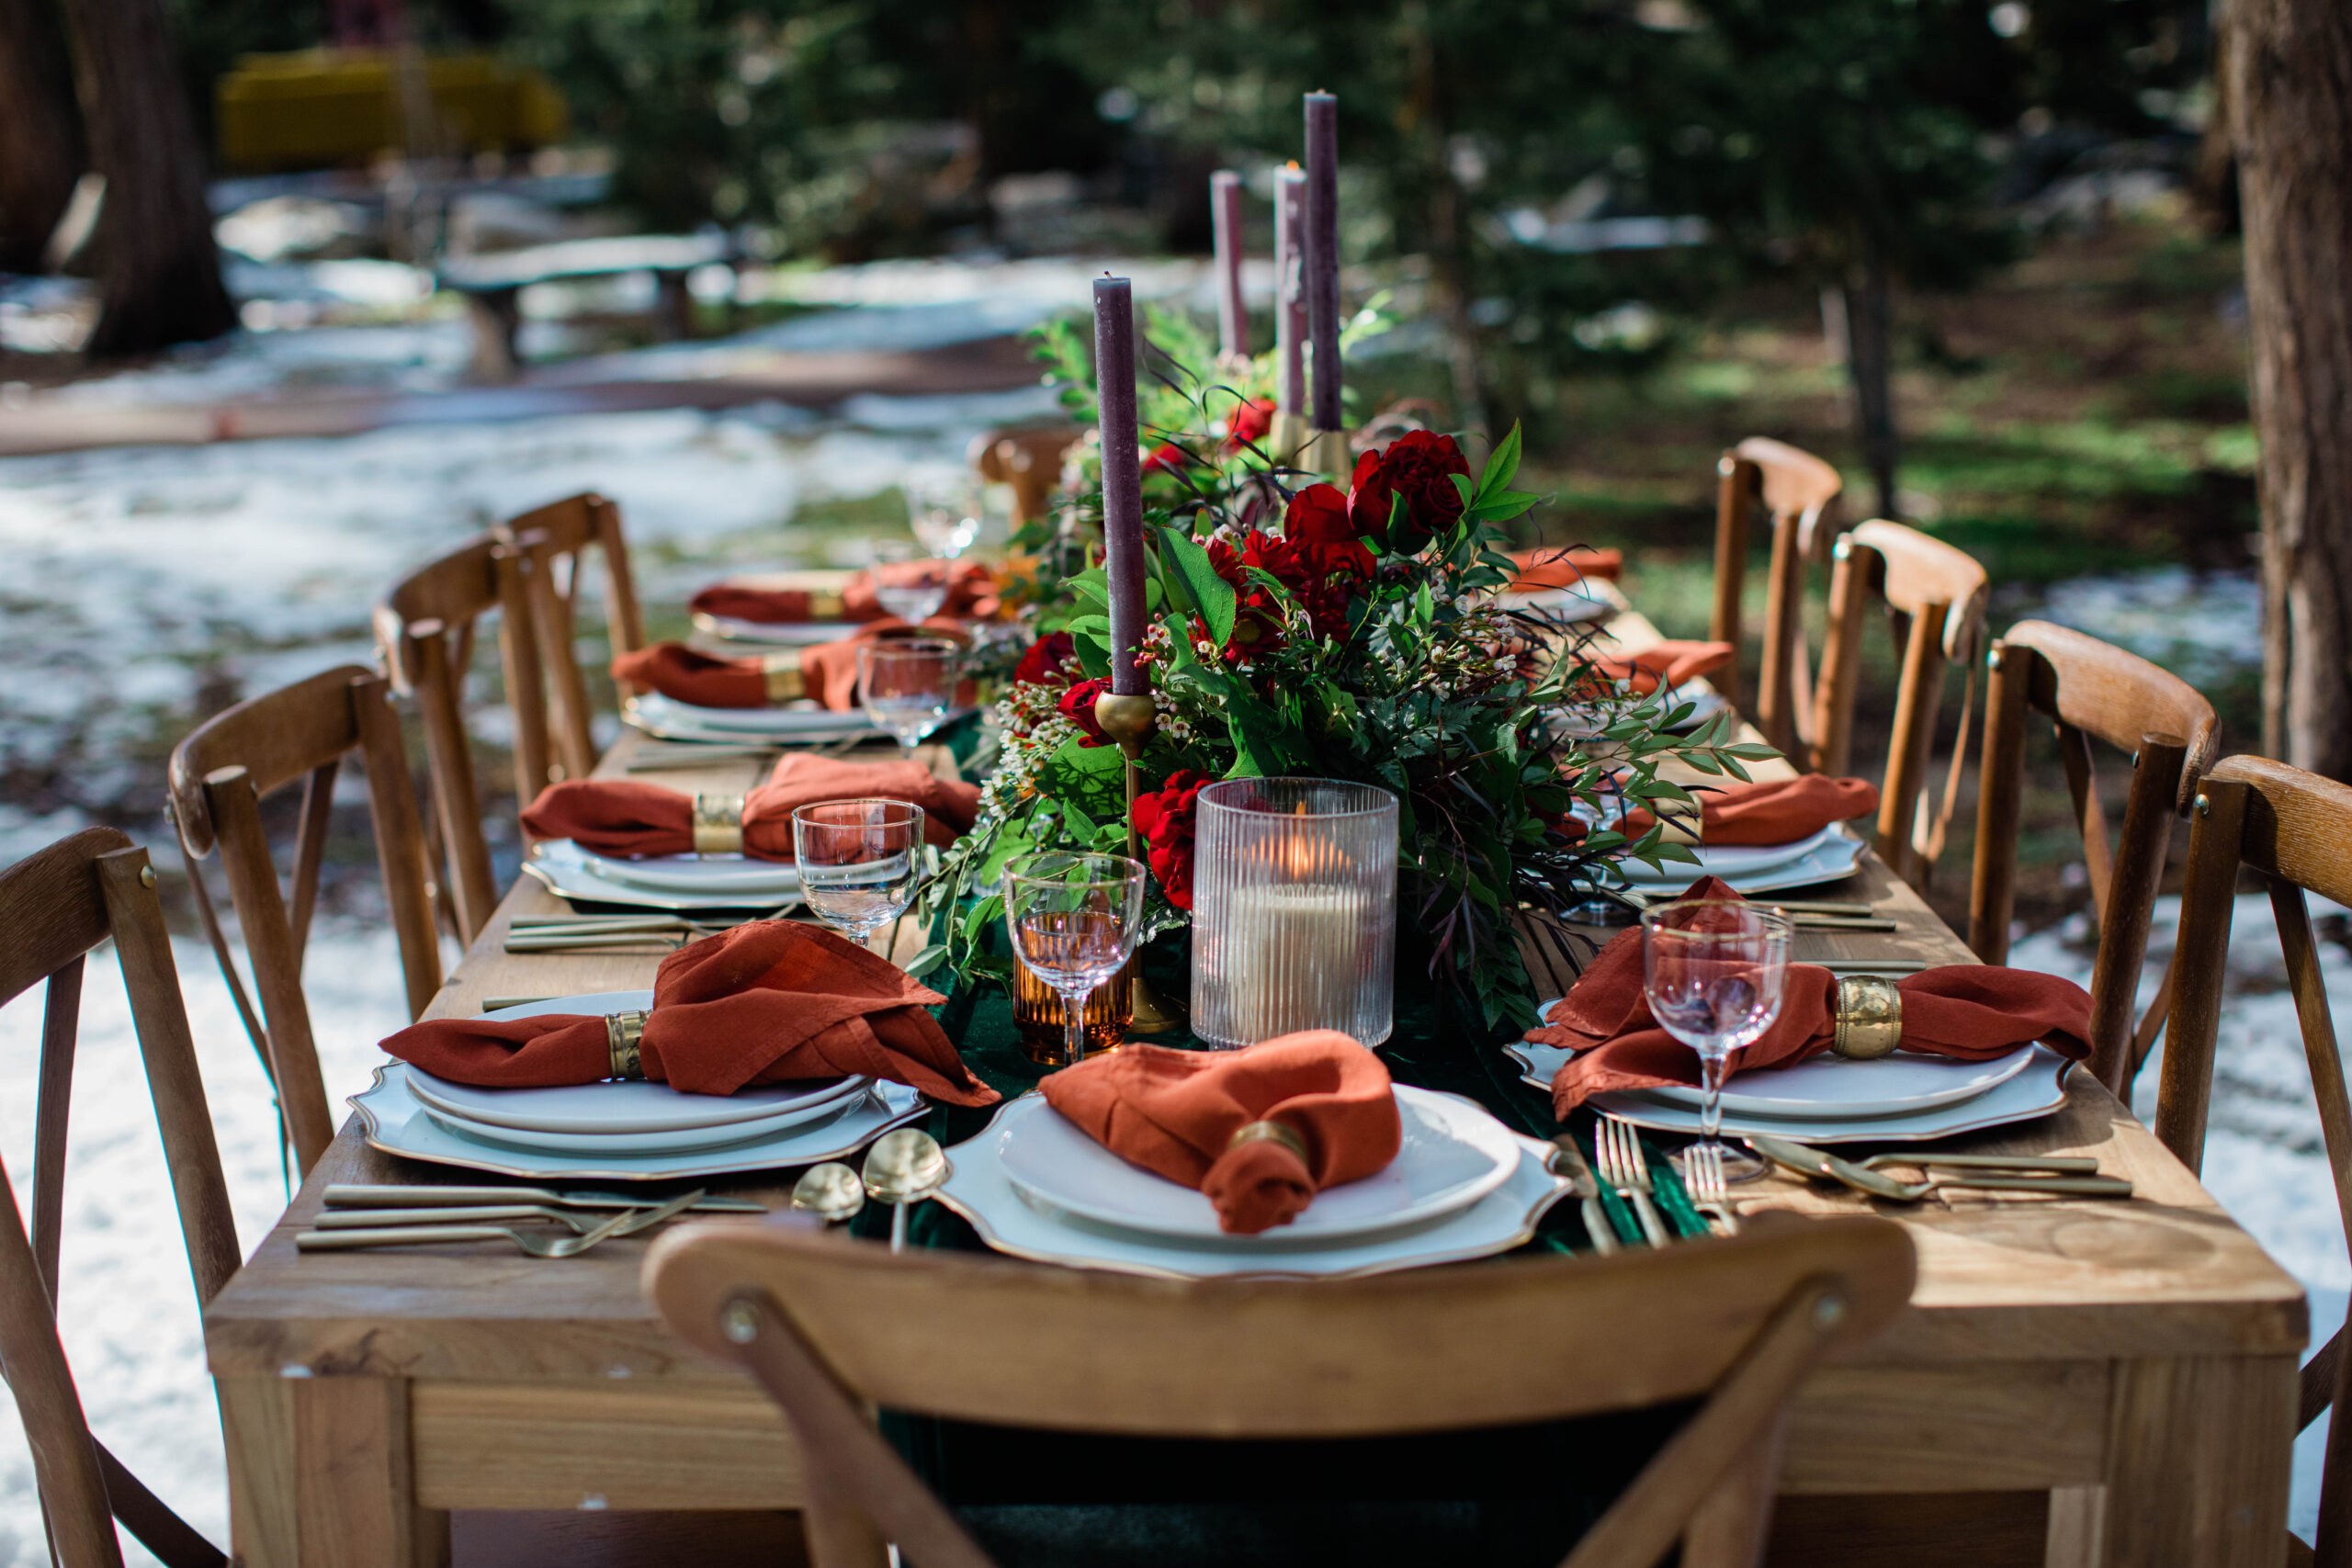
(1163, 818)
(1415, 465)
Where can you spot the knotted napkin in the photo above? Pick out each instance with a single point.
(1666, 664)
(1554, 567)
(972, 591)
(1971, 1013)
(826, 671)
(769, 1002)
(1780, 811)
(626, 817)
(1258, 1131)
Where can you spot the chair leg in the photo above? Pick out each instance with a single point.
(1730, 1527)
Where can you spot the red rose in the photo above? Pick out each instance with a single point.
(1317, 521)
(1249, 423)
(1043, 664)
(1163, 818)
(1078, 707)
(1166, 459)
(1415, 465)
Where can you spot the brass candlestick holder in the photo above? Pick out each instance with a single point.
(1129, 720)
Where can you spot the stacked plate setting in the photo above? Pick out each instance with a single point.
(1463, 1185)
(1825, 856)
(625, 1130)
(1904, 1097)
(663, 882)
(667, 718)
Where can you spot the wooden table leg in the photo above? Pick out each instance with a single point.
(2200, 1452)
(319, 1475)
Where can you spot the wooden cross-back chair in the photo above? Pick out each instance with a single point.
(55, 907)
(1797, 493)
(1030, 460)
(2291, 828)
(831, 1326)
(555, 540)
(1940, 591)
(219, 775)
(2090, 691)
(426, 627)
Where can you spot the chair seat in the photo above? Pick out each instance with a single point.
(597, 1539)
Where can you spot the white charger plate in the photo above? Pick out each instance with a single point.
(1568, 605)
(567, 871)
(2038, 1089)
(979, 1189)
(657, 714)
(1454, 1152)
(638, 1106)
(735, 875)
(1728, 860)
(1834, 1088)
(776, 634)
(395, 1121)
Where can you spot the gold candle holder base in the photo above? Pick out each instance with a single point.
(1325, 452)
(1287, 437)
(1154, 1014)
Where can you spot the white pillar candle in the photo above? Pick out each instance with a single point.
(1297, 954)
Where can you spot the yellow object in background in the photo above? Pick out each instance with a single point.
(328, 107)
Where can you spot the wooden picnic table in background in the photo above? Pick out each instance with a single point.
(2077, 1382)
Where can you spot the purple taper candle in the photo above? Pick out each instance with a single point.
(1225, 213)
(1114, 389)
(1323, 252)
(1289, 290)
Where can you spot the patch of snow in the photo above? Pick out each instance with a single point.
(2204, 626)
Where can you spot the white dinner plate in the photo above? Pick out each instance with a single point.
(1731, 860)
(776, 634)
(2037, 1089)
(566, 871)
(1834, 1088)
(1831, 861)
(638, 1106)
(684, 1141)
(657, 714)
(1454, 1152)
(396, 1122)
(1571, 606)
(735, 875)
(979, 1189)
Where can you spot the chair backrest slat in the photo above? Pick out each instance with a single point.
(1542, 1339)
(2090, 691)
(556, 540)
(2292, 826)
(1797, 492)
(91, 886)
(219, 775)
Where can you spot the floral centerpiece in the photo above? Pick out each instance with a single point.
(1299, 628)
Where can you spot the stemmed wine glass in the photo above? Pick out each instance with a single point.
(945, 514)
(860, 862)
(906, 684)
(1074, 920)
(912, 595)
(1714, 970)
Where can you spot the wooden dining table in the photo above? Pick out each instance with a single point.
(2077, 1382)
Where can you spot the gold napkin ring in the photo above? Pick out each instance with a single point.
(826, 605)
(1268, 1133)
(1870, 1017)
(782, 673)
(623, 1031)
(718, 824)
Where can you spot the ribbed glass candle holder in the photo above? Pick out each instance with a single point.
(1294, 910)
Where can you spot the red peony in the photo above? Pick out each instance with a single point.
(1249, 423)
(1318, 520)
(1164, 820)
(1078, 707)
(1043, 664)
(1416, 466)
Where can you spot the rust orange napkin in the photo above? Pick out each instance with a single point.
(1175, 1112)
(971, 592)
(1666, 663)
(1971, 1011)
(768, 1002)
(828, 669)
(1553, 567)
(626, 817)
(1780, 811)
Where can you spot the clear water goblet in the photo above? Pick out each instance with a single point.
(860, 862)
(906, 684)
(909, 583)
(1073, 919)
(1715, 971)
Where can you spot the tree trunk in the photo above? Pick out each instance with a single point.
(159, 274)
(2291, 89)
(1869, 360)
(39, 158)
